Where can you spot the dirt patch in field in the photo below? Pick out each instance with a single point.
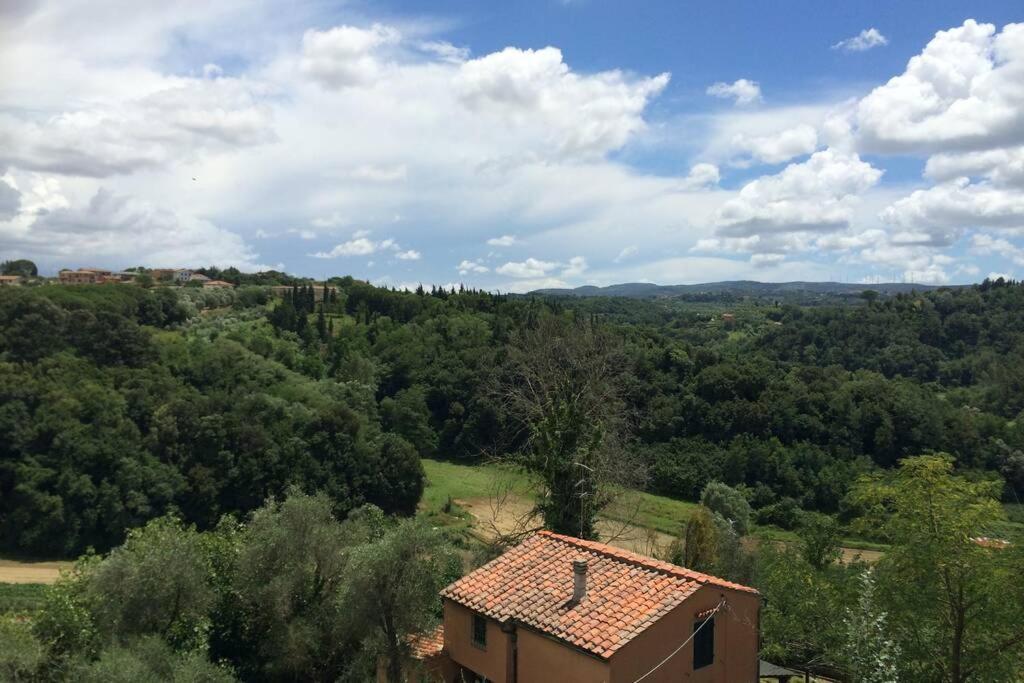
(15, 571)
(513, 515)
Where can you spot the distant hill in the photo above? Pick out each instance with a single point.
(643, 290)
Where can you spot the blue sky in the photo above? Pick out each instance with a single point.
(520, 144)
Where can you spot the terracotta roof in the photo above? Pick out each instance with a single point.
(533, 583)
(427, 645)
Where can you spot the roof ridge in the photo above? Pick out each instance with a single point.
(646, 562)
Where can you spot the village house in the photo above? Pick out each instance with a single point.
(9, 280)
(216, 284)
(83, 276)
(557, 608)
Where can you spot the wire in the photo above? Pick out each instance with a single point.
(685, 642)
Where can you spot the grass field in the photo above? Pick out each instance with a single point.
(20, 598)
(447, 481)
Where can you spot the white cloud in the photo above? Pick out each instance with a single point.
(530, 268)
(701, 176)
(361, 245)
(344, 56)
(535, 91)
(777, 147)
(958, 204)
(817, 195)
(982, 243)
(177, 123)
(627, 252)
(503, 241)
(1004, 167)
(865, 40)
(742, 91)
(577, 266)
(445, 51)
(408, 255)
(963, 92)
(466, 267)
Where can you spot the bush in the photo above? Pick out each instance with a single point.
(785, 514)
(729, 503)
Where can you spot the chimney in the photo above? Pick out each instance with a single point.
(579, 583)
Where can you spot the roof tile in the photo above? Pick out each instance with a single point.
(533, 583)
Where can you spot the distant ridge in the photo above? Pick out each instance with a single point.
(644, 290)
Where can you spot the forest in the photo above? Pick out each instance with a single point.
(135, 420)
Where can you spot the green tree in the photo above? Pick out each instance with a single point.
(157, 583)
(870, 652)
(392, 589)
(819, 539)
(955, 604)
(19, 267)
(700, 540)
(150, 660)
(21, 653)
(287, 622)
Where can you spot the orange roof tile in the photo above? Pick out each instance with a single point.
(427, 645)
(533, 583)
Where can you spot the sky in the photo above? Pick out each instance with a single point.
(517, 145)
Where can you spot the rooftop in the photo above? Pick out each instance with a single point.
(533, 584)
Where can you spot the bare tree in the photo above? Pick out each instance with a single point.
(562, 388)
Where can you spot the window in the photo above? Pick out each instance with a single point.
(479, 631)
(703, 643)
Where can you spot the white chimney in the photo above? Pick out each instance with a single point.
(579, 584)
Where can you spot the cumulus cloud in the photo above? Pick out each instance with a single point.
(466, 267)
(742, 92)
(701, 176)
(577, 266)
(408, 255)
(345, 56)
(1003, 167)
(530, 268)
(361, 245)
(817, 195)
(503, 241)
(865, 40)
(777, 147)
(957, 204)
(983, 243)
(963, 92)
(535, 90)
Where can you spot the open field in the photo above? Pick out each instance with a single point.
(18, 571)
(490, 499)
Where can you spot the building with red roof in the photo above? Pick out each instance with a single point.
(557, 608)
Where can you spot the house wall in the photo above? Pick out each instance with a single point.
(492, 662)
(736, 643)
(541, 659)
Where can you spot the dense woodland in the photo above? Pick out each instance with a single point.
(120, 405)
